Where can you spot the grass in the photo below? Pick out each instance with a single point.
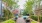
(33, 21)
(9, 21)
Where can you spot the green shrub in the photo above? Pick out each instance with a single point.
(34, 18)
(2, 19)
(40, 18)
(9, 21)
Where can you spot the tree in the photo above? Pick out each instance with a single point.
(28, 6)
(9, 2)
(7, 13)
(37, 10)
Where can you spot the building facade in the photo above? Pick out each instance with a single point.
(0, 8)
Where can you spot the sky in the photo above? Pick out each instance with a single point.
(21, 3)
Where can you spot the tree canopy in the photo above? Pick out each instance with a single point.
(9, 2)
(28, 6)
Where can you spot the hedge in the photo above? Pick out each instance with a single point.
(9, 21)
(34, 17)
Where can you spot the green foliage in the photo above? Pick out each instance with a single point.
(33, 21)
(15, 6)
(28, 6)
(9, 2)
(2, 19)
(40, 18)
(25, 12)
(7, 13)
(9, 21)
(36, 18)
